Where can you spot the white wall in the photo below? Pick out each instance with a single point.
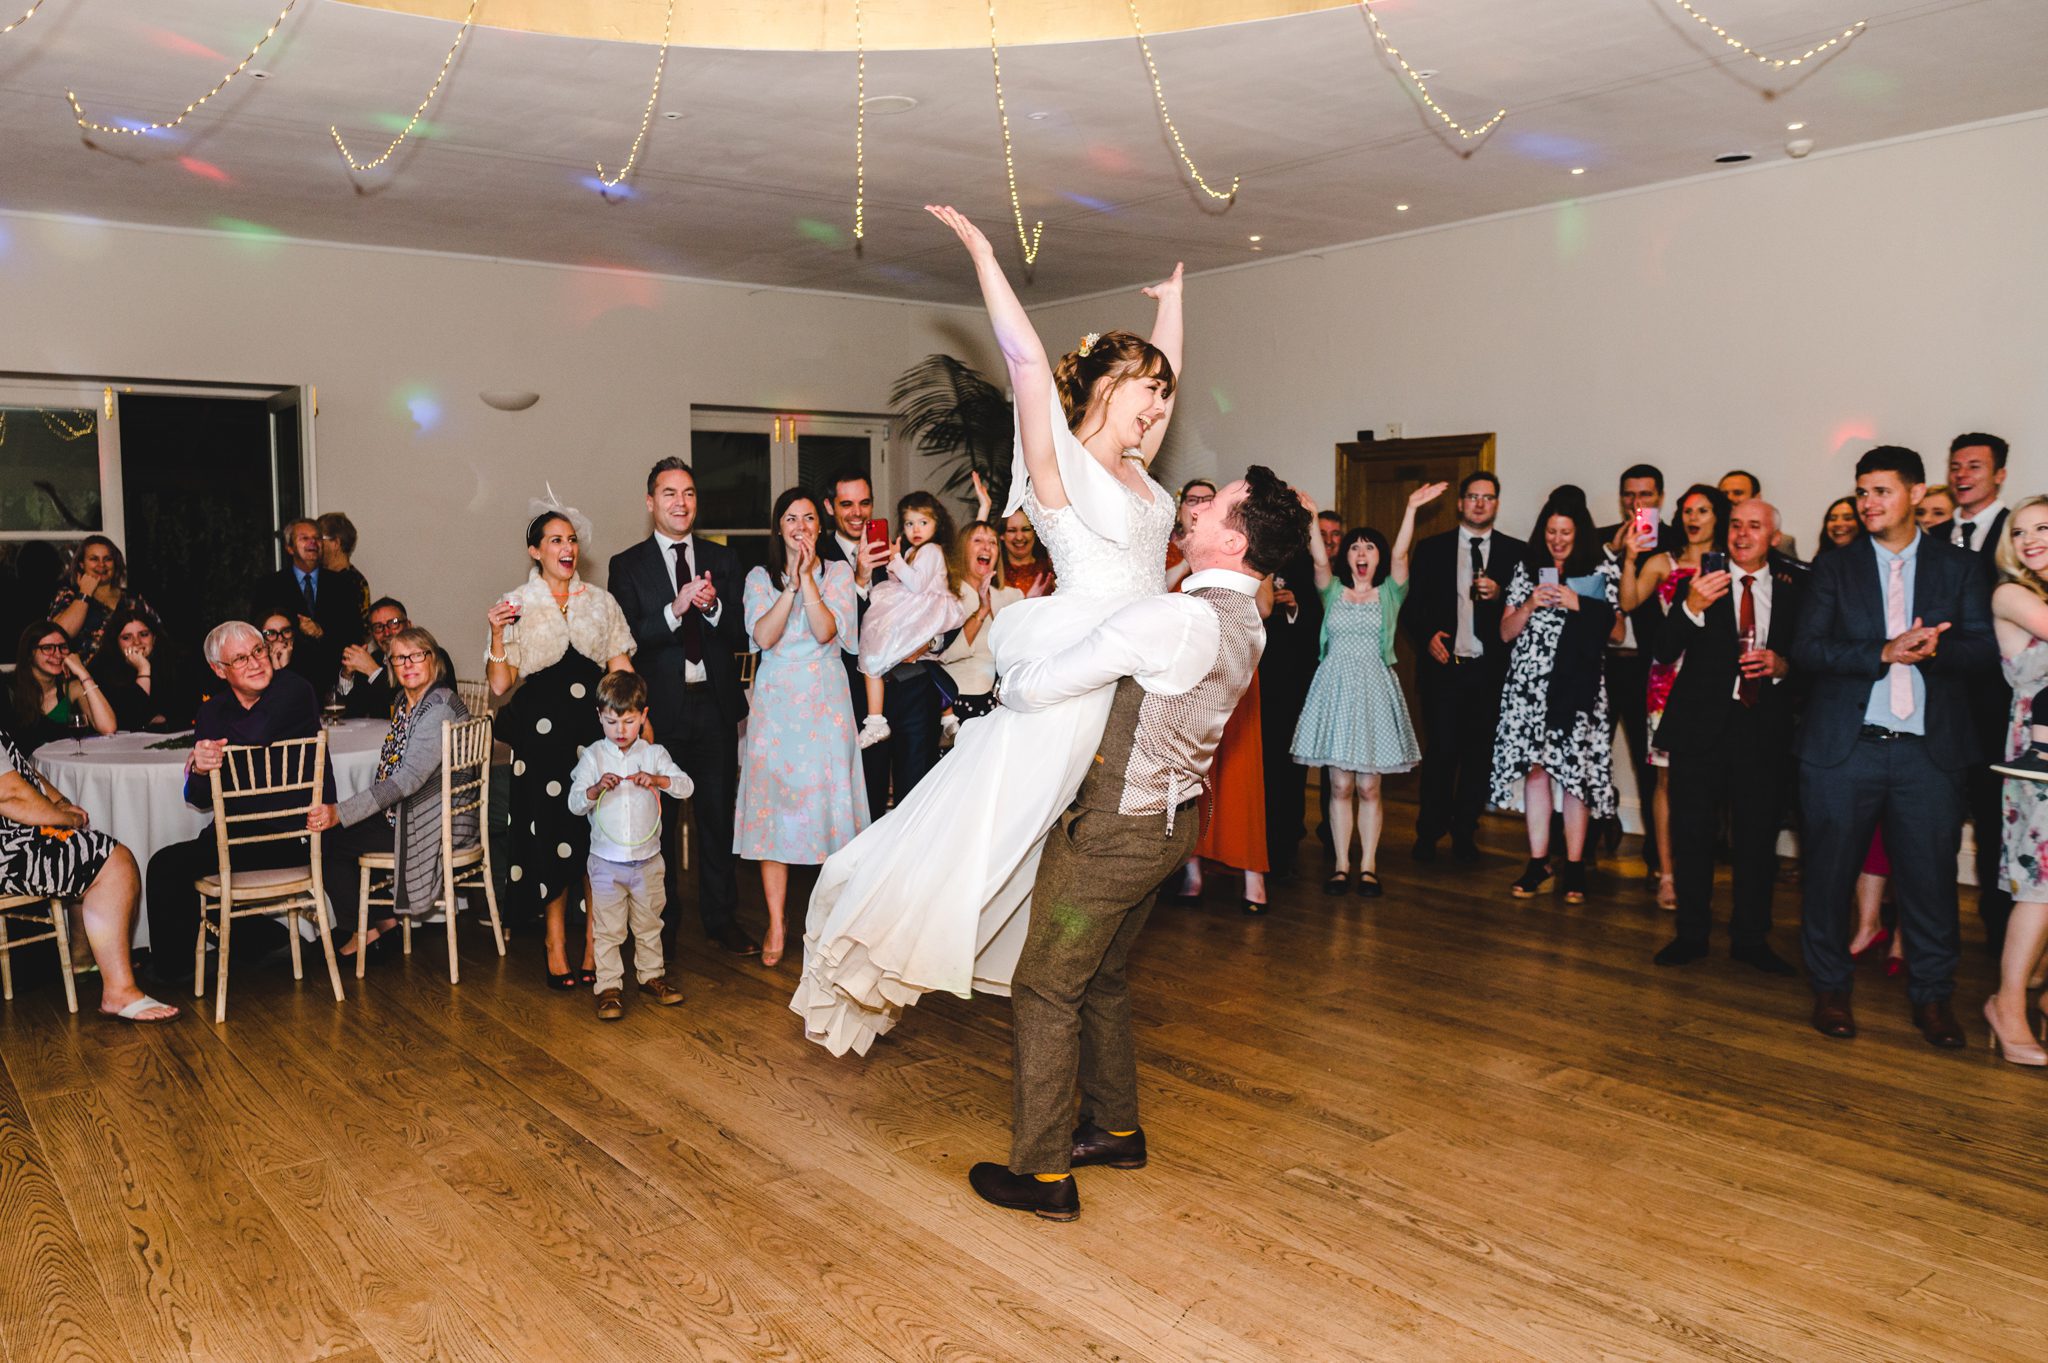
(391, 337)
(1782, 318)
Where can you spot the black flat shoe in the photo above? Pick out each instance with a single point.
(1369, 885)
(1339, 883)
(1057, 1201)
(1093, 1145)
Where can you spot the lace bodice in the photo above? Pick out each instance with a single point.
(1086, 564)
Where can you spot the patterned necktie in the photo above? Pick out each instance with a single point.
(1752, 688)
(1895, 625)
(691, 628)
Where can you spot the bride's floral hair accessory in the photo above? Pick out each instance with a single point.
(1087, 343)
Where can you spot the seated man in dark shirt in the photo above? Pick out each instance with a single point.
(258, 705)
(365, 688)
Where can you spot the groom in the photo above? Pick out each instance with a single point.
(1179, 662)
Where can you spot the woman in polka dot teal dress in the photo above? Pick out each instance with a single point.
(552, 638)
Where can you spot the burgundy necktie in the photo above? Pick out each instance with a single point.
(691, 628)
(1752, 688)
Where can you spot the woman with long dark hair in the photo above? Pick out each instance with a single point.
(1839, 527)
(53, 694)
(95, 585)
(140, 677)
(553, 637)
(1555, 748)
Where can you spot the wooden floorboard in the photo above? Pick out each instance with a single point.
(1443, 1126)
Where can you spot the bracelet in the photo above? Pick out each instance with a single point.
(491, 657)
(90, 686)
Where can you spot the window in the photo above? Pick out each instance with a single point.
(744, 459)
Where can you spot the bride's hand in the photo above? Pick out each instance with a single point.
(970, 235)
(1168, 287)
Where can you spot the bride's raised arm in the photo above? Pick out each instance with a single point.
(1166, 335)
(1023, 355)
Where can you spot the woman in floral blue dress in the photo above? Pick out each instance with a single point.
(802, 795)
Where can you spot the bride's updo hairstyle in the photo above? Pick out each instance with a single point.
(1118, 356)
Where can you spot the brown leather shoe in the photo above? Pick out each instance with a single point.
(1937, 1022)
(1831, 1015)
(610, 1007)
(663, 993)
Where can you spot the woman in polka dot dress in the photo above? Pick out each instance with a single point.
(552, 638)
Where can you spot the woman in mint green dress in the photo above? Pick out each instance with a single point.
(1354, 724)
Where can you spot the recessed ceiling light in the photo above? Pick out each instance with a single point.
(1256, 237)
(1578, 170)
(1400, 208)
(1040, 116)
(1426, 73)
(671, 115)
(1732, 158)
(259, 75)
(880, 105)
(1793, 127)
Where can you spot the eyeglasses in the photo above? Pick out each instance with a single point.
(242, 660)
(407, 659)
(275, 634)
(54, 650)
(382, 628)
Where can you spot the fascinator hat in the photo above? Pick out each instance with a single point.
(551, 506)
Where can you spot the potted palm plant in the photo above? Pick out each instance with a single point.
(955, 414)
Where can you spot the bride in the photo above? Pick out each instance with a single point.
(935, 895)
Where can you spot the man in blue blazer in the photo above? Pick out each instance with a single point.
(1894, 628)
(681, 596)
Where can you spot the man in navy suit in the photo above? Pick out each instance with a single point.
(1457, 588)
(681, 599)
(1727, 726)
(1976, 478)
(1896, 625)
(329, 618)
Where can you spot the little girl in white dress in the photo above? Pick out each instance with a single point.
(917, 602)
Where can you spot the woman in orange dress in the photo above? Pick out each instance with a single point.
(1234, 814)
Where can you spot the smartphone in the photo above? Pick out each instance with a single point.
(1713, 561)
(1646, 524)
(878, 530)
(1546, 577)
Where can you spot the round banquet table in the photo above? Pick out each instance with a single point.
(137, 793)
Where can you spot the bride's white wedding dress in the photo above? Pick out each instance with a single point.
(935, 895)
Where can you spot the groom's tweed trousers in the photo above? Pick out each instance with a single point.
(1097, 881)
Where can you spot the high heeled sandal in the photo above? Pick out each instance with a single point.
(1532, 880)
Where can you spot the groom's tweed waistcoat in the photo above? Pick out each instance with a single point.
(1156, 749)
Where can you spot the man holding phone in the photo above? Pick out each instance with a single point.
(1727, 726)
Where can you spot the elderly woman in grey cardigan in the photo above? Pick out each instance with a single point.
(401, 809)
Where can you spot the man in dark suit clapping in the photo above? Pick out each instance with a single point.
(1456, 590)
(1728, 728)
(681, 599)
(1896, 625)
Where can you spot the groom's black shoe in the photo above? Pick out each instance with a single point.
(1093, 1145)
(1056, 1201)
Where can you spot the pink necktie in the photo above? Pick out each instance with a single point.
(1895, 625)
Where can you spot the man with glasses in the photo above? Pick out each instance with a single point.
(365, 686)
(1456, 591)
(258, 706)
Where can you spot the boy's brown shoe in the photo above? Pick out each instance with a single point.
(610, 1007)
(662, 992)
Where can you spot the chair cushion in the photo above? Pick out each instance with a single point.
(275, 884)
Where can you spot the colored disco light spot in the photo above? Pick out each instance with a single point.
(1221, 399)
(1113, 160)
(6, 240)
(1571, 230)
(182, 45)
(1089, 201)
(1552, 147)
(254, 232)
(1867, 83)
(421, 406)
(395, 123)
(205, 170)
(899, 274)
(137, 126)
(823, 233)
(1851, 433)
(622, 190)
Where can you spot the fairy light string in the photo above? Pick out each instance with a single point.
(1846, 36)
(1159, 96)
(860, 124)
(1009, 158)
(23, 19)
(137, 129)
(1379, 36)
(418, 113)
(647, 115)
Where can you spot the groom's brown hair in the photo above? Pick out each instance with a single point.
(1271, 518)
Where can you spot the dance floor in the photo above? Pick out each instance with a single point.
(1440, 1126)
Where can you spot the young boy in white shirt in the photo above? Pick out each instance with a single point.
(625, 842)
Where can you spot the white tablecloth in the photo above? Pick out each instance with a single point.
(137, 793)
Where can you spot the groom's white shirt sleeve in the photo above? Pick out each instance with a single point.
(1167, 643)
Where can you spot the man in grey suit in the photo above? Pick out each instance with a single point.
(1894, 628)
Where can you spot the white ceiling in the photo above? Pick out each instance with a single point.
(754, 182)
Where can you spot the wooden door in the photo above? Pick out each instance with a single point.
(1374, 478)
